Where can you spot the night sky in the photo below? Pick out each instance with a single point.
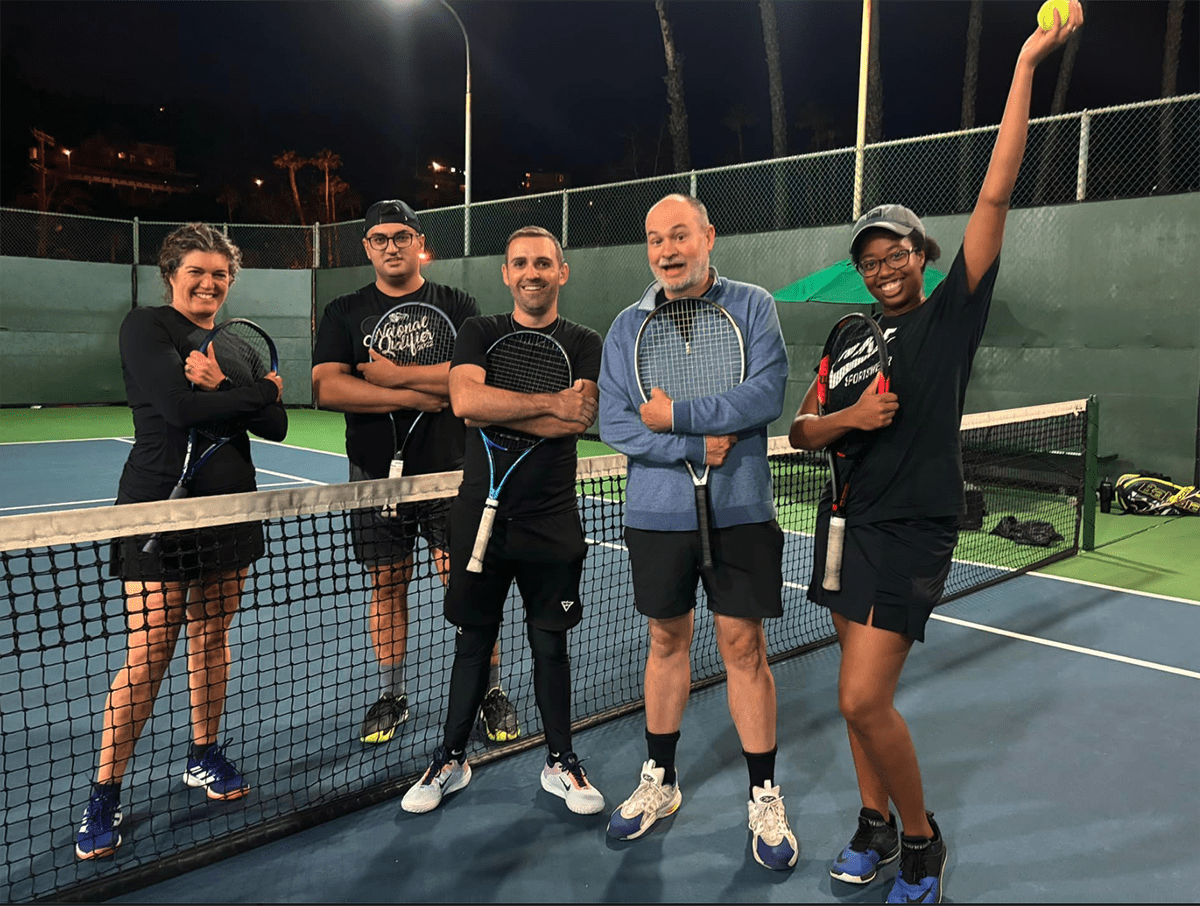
(558, 86)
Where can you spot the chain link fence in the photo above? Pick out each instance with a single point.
(1134, 150)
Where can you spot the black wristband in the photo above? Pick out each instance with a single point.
(225, 384)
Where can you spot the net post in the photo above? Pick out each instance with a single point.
(1090, 470)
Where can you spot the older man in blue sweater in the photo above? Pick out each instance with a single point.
(729, 433)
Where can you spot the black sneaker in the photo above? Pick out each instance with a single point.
(383, 718)
(875, 843)
(922, 861)
(499, 717)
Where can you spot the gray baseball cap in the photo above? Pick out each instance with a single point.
(390, 211)
(892, 217)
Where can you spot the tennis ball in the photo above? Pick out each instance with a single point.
(1046, 13)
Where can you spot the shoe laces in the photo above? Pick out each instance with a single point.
(649, 795)
(570, 763)
(913, 864)
(215, 762)
(441, 760)
(769, 819)
(864, 837)
(100, 810)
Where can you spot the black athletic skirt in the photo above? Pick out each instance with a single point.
(897, 568)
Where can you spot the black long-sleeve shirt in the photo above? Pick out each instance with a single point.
(154, 343)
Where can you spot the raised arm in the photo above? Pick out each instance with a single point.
(985, 230)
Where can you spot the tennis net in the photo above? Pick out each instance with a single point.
(303, 670)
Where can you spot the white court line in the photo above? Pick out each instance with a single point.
(1124, 591)
(64, 505)
(1179, 671)
(65, 440)
(275, 443)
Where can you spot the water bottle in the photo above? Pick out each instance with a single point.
(1106, 495)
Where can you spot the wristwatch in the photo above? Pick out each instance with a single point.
(225, 384)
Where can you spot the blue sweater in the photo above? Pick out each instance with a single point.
(659, 494)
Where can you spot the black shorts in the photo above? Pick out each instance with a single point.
(898, 568)
(746, 579)
(544, 555)
(383, 538)
(188, 555)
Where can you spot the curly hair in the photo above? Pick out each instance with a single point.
(195, 237)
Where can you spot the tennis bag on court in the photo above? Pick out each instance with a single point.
(1154, 494)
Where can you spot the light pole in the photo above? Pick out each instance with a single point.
(466, 138)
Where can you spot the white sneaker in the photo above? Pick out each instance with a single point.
(445, 776)
(774, 844)
(652, 800)
(567, 780)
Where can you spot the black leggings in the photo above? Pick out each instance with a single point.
(469, 676)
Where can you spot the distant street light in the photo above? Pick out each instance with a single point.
(67, 151)
(258, 182)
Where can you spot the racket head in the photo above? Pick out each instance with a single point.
(245, 352)
(414, 333)
(854, 356)
(690, 348)
(525, 361)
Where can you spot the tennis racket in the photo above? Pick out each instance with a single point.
(524, 362)
(413, 333)
(690, 348)
(245, 353)
(855, 356)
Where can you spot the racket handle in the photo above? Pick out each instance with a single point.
(152, 546)
(706, 560)
(486, 520)
(833, 554)
(396, 469)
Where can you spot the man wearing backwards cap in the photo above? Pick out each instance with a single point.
(349, 377)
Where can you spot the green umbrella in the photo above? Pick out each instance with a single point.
(841, 283)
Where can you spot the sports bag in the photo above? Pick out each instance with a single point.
(1154, 494)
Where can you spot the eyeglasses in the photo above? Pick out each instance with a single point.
(895, 260)
(402, 240)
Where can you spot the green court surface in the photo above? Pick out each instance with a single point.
(309, 428)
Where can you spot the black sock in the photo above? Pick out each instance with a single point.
(661, 749)
(198, 751)
(761, 766)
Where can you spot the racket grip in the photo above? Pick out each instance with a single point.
(706, 560)
(396, 469)
(152, 545)
(486, 520)
(833, 554)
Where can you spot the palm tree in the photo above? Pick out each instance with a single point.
(1171, 47)
(969, 92)
(735, 121)
(674, 79)
(291, 161)
(326, 161)
(766, 11)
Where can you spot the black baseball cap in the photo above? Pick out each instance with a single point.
(391, 211)
(892, 217)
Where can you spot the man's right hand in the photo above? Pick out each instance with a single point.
(716, 448)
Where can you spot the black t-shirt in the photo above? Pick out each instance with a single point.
(544, 482)
(345, 336)
(154, 344)
(914, 467)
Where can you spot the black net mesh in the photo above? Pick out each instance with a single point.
(302, 671)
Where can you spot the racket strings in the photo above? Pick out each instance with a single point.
(524, 362)
(690, 349)
(243, 353)
(416, 336)
(852, 363)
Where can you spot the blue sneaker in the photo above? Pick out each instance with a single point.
(98, 835)
(651, 801)
(217, 774)
(774, 845)
(922, 862)
(875, 843)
